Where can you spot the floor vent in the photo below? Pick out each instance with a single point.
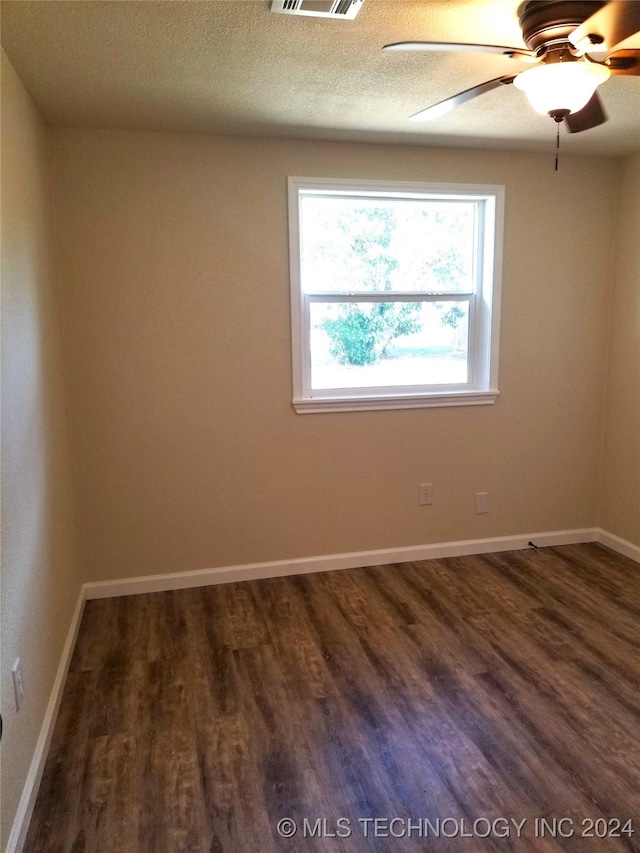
(345, 9)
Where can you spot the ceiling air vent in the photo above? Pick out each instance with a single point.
(345, 9)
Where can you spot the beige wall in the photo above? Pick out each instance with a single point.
(173, 264)
(40, 570)
(620, 510)
(176, 300)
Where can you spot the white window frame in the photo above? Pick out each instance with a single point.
(484, 302)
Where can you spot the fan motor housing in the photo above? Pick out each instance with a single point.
(544, 21)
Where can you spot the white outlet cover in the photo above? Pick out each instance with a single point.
(426, 494)
(482, 502)
(18, 683)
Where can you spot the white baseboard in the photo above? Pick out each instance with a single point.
(330, 562)
(616, 543)
(30, 791)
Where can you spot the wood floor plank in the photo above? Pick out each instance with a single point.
(62, 779)
(498, 687)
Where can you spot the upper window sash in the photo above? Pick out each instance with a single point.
(426, 223)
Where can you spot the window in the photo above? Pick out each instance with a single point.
(394, 294)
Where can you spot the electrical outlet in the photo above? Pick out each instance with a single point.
(426, 494)
(18, 683)
(482, 502)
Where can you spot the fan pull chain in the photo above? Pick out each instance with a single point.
(558, 116)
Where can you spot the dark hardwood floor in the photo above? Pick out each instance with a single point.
(472, 692)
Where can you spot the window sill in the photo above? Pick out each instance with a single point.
(398, 401)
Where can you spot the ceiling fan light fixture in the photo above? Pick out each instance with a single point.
(561, 85)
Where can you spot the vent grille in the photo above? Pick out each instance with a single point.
(344, 9)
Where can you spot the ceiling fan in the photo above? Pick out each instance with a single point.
(571, 43)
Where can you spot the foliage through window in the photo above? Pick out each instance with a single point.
(394, 294)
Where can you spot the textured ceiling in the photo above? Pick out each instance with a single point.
(233, 67)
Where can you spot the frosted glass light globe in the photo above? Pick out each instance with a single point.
(562, 85)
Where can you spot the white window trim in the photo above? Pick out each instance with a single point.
(485, 329)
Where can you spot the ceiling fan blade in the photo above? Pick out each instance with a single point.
(590, 116)
(614, 22)
(429, 46)
(449, 104)
(624, 62)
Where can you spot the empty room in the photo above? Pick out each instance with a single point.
(320, 426)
